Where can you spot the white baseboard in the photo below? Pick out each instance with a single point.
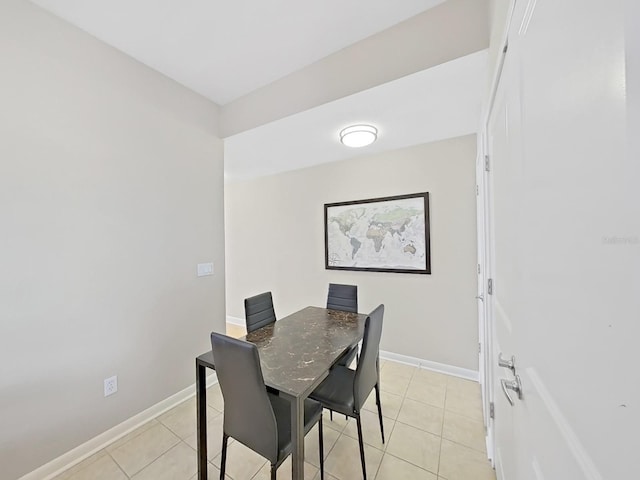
(72, 457)
(64, 462)
(429, 365)
(396, 357)
(236, 321)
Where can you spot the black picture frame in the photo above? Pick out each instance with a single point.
(396, 239)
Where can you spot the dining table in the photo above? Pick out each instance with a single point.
(296, 353)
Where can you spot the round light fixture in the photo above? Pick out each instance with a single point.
(358, 135)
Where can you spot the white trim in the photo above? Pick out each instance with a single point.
(429, 365)
(583, 459)
(73, 457)
(497, 72)
(536, 469)
(236, 321)
(526, 18)
(396, 357)
(498, 465)
(490, 442)
(485, 241)
(67, 460)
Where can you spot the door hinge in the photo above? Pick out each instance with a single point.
(490, 286)
(486, 163)
(478, 269)
(479, 348)
(492, 410)
(477, 191)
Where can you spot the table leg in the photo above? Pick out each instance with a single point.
(297, 438)
(201, 409)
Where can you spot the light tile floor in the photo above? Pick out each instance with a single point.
(433, 429)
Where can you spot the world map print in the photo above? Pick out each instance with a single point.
(389, 234)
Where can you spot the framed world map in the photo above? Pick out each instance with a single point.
(389, 234)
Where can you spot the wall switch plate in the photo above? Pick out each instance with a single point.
(110, 385)
(205, 269)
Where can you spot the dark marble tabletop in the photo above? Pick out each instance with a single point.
(297, 351)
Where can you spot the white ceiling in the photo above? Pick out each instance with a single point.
(438, 103)
(224, 49)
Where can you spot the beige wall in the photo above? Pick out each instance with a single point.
(275, 241)
(111, 180)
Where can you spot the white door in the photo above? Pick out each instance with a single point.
(500, 234)
(565, 231)
(484, 332)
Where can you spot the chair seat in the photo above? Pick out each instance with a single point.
(336, 392)
(282, 411)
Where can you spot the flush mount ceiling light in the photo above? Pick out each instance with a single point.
(358, 135)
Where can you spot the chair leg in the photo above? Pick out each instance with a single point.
(331, 415)
(364, 467)
(321, 445)
(223, 459)
(273, 472)
(379, 410)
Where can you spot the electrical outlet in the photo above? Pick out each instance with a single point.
(110, 385)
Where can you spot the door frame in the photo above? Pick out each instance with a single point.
(485, 269)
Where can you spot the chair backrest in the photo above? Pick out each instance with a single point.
(258, 311)
(248, 414)
(343, 297)
(367, 370)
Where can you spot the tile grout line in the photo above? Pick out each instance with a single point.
(386, 445)
(341, 433)
(116, 462)
(266, 462)
(158, 457)
(446, 390)
(467, 417)
(441, 429)
(334, 444)
(418, 428)
(404, 396)
(463, 415)
(465, 446)
(410, 463)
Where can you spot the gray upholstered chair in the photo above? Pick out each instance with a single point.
(257, 419)
(258, 311)
(344, 298)
(345, 390)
